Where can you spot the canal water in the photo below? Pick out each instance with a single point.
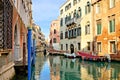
(60, 68)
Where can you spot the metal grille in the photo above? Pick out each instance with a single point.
(6, 12)
(1, 24)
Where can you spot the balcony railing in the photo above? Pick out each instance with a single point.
(71, 21)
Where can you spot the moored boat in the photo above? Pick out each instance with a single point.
(90, 57)
(68, 55)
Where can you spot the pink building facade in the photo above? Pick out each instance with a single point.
(55, 34)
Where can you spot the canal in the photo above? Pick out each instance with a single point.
(60, 68)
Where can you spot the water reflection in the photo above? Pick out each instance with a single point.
(60, 68)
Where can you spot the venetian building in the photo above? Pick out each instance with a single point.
(55, 68)
(22, 19)
(54, 34)
(76, 26)
(106, 23)
(15, 16)
(36, 35)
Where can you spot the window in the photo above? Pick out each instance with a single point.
(66, 46)
(87, 8)
(79, 46)
(112, 25)
(98, 8)
(87, 29)
(69, 16)
(79, 14)
(51, 41)
(88, 45)
(112, 47)
(111, 3)
(61, 35)
(69, 6)
(69, 33)
(79, 0)
(74, 15)
(99, 46)
(61, 22)
(54, 24)
(61, 12)
(79, 31)
(74, 2)
(66, 34)
(54, 31)
(72, 33)
(54, 40)
(66, 18)
(99, 28)
(61, 46)
(65, 8)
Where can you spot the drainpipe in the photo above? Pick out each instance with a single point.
(29, 39)
(34, 48)
(29, 52)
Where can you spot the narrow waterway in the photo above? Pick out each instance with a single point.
(60, 68)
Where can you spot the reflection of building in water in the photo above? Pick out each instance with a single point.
(55, 68)
(38, 65)
(70, 70)
(99, 71)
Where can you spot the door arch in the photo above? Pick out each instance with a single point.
(17, 54)
(72, 48)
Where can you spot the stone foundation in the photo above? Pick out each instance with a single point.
(7, 71)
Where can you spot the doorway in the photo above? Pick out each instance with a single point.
(72, 48)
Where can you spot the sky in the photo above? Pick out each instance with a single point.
(44, 11)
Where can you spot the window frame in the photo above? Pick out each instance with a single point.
(99, 28)
(112, 48)
(111, 26)
(111, 5)
(100, 46)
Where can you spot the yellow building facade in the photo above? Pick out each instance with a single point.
(106, 23)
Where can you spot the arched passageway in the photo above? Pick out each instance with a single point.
(17, 54)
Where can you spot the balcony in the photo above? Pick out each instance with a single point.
(71, 21)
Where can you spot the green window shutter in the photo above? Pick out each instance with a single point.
(99, 28)
(110, 24)
(113, 25)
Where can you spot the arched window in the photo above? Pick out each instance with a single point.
(61, 35)
(87, 8)
(66, 18)
(111, 3)
(54, 40)
(98, 8)
(69, 16)
(87, 28)
(54, 31)
(61, 22)
(74, 13)
(79, 12)
(74, 2)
